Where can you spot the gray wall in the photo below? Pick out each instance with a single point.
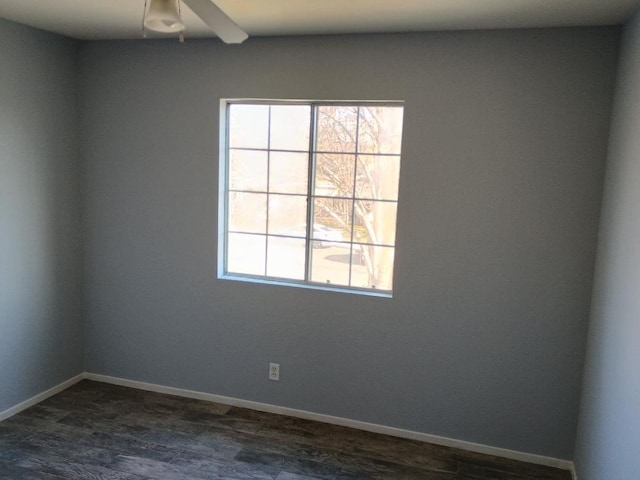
(609, 434)
(503, 157)
(40, 285)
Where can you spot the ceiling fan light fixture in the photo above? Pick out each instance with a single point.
(164, 16)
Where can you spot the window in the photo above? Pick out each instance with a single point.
(310, 193)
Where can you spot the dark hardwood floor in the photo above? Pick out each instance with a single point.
(99, 431)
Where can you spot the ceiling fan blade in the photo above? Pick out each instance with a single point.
(217, 20)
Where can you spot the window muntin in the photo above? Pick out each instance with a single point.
(311, 193)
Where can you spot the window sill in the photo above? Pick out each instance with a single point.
(309, 286)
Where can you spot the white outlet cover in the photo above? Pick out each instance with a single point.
(274, 371)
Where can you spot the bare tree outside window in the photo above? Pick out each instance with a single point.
(312, 191)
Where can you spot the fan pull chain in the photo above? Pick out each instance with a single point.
(144, 13)
(181, 34)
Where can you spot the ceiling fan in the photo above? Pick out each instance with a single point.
(164, 16)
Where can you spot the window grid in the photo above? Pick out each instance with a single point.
(266, 227)
(312, 153)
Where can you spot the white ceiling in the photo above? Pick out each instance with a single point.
(119, 19)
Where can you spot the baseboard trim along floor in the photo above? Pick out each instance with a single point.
(345, 422)
(574, 474)
(265, 407)
(40, 397)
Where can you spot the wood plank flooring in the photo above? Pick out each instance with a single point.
(99, 431)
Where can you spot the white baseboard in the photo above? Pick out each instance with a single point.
(40, 397)
(574, 474)
(345, 422)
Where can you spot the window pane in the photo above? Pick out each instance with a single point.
(331, 220)
(286, 257)
(248, 126)
(288, 215)
(290, 127)
(334, 175)
(375, 222)
(248, 170)
(246, 254)
(288, 172)
(380, 129)
(247, 212)
(359, 270)
(337, 129)
(378, 177)
(374, 268)
(330, 265)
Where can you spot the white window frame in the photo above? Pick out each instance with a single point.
(223, 199)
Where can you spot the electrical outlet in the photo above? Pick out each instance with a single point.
(274, 372)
